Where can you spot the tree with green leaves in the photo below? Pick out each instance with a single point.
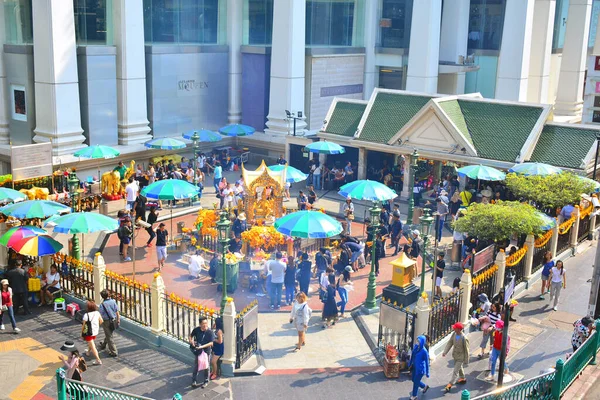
(551, 191)
(499, 221)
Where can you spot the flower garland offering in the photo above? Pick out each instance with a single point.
(208, 219)
(264, 237)
(514, 259)
(231, 258)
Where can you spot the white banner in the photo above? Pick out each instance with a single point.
(31, 161)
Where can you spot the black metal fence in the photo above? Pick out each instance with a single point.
(133, 298)
(246, 324)
(443, 315)
(181, 316)
(584, 229)
(484, 281)
(396, 327)
(538, 256)
(563, 242)
(77, 281)
(210, 243)
(518, 270)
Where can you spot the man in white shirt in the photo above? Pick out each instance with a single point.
(238, 193)
(228, 194)
(317, 177)
(277, 269)
(196, 265)
(131, 191)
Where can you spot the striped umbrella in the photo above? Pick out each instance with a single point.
(367, 190)
(533, 168)
(204, 135)
(308, 225)
(34, 209)
(165, 144)
(18, 233)
(84, 222)
(292, 174)
(237, 130)
(325, 147)
(37, 246)
(170, 189)
(482, 172)
(97, 151)
(10, 195)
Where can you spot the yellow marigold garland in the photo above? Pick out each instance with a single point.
(58, 258)
(542, 240)
(193, 305)
(514, 259)
(209, 219)
(484, 276)
(566, 226)
(586, 212)
(123, 279)
(265, 237)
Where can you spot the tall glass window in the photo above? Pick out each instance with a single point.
(560, 24)
(395, 23)
(93, 21)
(486, 20)
(594, 22)
(18, 23)
(258, 22)
(333, 22)
(181, 21)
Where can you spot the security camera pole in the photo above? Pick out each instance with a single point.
(291, 115)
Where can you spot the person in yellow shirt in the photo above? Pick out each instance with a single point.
(466, 197)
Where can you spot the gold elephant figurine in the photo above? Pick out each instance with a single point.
(36, 193)
(111, 183)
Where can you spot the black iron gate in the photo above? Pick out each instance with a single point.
(246, 329)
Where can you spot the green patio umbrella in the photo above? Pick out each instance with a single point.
(367, 190)
(10, 195)
(308, 225)
(34, 209)
(97, 152)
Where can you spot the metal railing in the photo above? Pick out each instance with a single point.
(584, 229)
(77, 281)
(181, 316)
(402, 334)
(443, 315)
(538, 256)
(484, 281)
(538, 388)
(563, 242)
(77, 390)
(133, 298)
(246, 324)
(518, 270)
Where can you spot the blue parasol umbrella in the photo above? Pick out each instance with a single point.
(165, 144)
(10, 195)
(367, 190)
(533, 168)
(34, 209)
(308, 224)
(292, 174)
(204, 135)
(481, 172)
(325, 147)
(237, 130)
(84, 222)
(170, 189)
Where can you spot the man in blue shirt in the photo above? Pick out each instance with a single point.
(109, 310)
(322, 260)
(281, 160)
(218, 175)
(566, 212)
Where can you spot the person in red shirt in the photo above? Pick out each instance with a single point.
(497, 348)
(6, 305)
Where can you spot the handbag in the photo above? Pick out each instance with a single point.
(86, 329)
(203, 361)
(112, 323)
(4, 308)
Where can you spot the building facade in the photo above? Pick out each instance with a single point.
(118, 72)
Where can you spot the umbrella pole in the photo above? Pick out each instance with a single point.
(172, 234)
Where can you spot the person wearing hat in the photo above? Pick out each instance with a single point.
(162, 236)
(239, 225)
(74, 364)
(497, 349)
(459, 344)
(419, 363)
(348, 210)
(415, 246)
(6, 306)
(343, 286)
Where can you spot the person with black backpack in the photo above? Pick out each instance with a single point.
(90, 329)
(109, 311)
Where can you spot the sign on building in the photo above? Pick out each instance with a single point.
(31, 161)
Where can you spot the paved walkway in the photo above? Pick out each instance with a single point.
(28, 362)
(538, 338)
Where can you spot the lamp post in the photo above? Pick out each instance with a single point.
(374, 211)
(195, 138)
(596, 159)
(223, 229)
(426, 221)
(411, 195)
(73, 183)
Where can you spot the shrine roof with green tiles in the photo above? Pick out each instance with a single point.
(564, 146)
(452, 109)
(388, 115)
(345, 118)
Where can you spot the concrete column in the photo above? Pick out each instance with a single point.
(422, 309)
(466, 285)
(569, 96)
(515, 51)
(58, 116)
(157, 309)
(234, 37)
(4, 132)
(423, 59)
(362, 163)
(47, 263)
(132, 110)
(408, 176)
(287, 66)
(530, 243)
(455, 30)
(98, 275)
(3, 249)
(229, 339)
(541, 52)
(554, 240)
(501, 263)
(575, 227)
(371, 29)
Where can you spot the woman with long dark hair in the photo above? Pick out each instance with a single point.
(557, 283)
(218, 347)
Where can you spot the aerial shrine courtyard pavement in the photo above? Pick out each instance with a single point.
(177, 278)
